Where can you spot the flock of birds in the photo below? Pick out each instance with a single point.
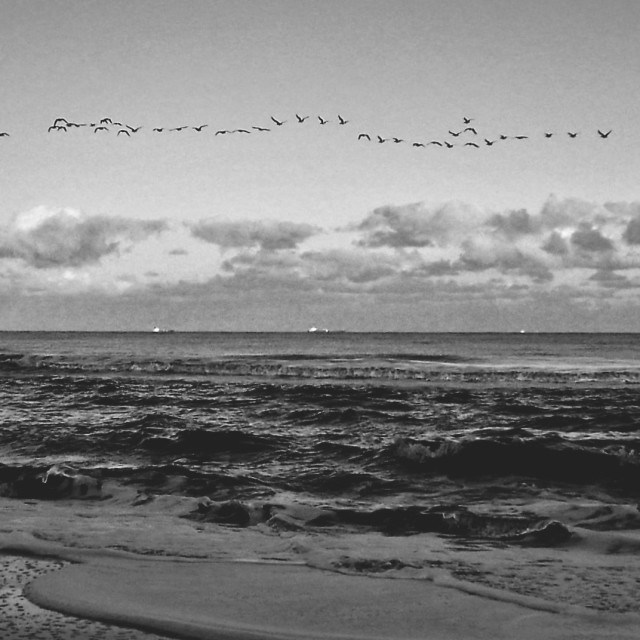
(465, 135)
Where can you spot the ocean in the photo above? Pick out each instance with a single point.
(356, 421)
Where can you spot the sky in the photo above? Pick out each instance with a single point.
(311, 224)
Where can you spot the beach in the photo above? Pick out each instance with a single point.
(148, 568)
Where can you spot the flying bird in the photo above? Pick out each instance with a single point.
(103, 121)
(364, 135)
(100, 129)
(184, 126)
(117, 124)
(133, 129)
(475, 133)
(261, 128)
(455, 134)
(503, 137)
(158, 129)
(467, 120)
(397, 140)
(57, 120)
(278, 122)
(301, 119)
(322, 120)
(548, 134)
(604, 135)
(123, 131)
(341, 120)
(471, 144)
(520, 137)
(381, 139)
(200, 128)
(489, 142)
(56, 127)
(449, 145)
(417, 144)
(571, 134)
(436, 143)
(240, 131)
(221, 132)
(4, 134)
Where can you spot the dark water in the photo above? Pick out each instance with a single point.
(339, 418)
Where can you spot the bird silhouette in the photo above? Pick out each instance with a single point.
(117, 124)
(572, 134)
(278, 122)
(322, 120)
(381, 139)
(184, 126)
(364, 135)
(58, 120)
(158, 129)
(4, 134)
(301, 119)
(103, 121)
(548, 134)
(503, 137)
(123, 131)
(240, 131)
(56, 127)
(520, 137)
(489, 142)
(455, 134)
(133, 129)
(221, 132)
(467, 120)
(341, 120)
(471, 144)
(449, 145)
(475, 133)
(397, 140)
(261, 128)
(101, 128)
(417, 144)
(604, 135)
(439, 144)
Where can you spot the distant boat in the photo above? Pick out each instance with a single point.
(316, 330)
(159, 330)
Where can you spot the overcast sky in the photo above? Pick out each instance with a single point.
(309, 223)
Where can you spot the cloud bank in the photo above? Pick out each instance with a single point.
(47, 238)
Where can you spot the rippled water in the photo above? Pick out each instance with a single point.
(331, 417)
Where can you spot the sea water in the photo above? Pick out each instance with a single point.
(331, 418)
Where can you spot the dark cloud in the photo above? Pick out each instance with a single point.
(514, 223)
(556, 245)
(46, 238)
(590, 240)
(271, 236)
(631, 234)
(608, 277)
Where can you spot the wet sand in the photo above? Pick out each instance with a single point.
(141, 564)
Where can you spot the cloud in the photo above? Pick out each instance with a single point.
(591, 240)
(270, 236)
(416, 225)
(632, 233)
(47, 238)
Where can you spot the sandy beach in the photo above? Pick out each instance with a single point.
(108, 564)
